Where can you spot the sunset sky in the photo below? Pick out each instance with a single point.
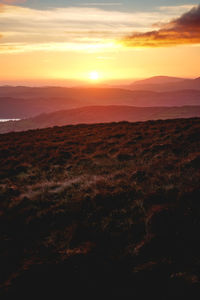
(48, 40)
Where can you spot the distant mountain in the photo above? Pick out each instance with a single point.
(165, 84)
(26, 102)
(197, 80)
(100, 114)
(159, 80)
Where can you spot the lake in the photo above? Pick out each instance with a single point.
(6, 120)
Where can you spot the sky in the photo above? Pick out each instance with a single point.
(53, 41)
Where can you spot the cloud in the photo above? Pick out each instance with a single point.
(102, 4)
(179, 8)
(180, 31)
(72, 28)
(12, 1)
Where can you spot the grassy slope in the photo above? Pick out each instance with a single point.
(100, 114)
(103, 210)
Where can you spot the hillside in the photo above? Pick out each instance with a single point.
(100, 114)
(26, 102)
(101, 211)
(158, 80)
(165, 84)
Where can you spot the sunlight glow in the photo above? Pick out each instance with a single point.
(94, 75)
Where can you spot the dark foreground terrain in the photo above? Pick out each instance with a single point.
(101, 211)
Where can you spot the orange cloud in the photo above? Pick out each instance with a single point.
(183, 30)
(4, 2)
(8, 2)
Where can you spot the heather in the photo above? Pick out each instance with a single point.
(104, 210)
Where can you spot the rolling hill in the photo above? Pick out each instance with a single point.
(165, 84)
(101, 211)
(159, 80)
(100, 114)
(26, 102)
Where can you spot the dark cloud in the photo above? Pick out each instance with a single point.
(183, 30)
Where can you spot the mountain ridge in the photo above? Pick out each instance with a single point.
(159, 80)
(29, 102)
(173, 85)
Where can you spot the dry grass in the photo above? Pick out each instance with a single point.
(106, 208)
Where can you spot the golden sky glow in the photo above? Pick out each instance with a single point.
(94, 75)
(71, 42)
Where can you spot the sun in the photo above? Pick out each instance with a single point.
(94, 75)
